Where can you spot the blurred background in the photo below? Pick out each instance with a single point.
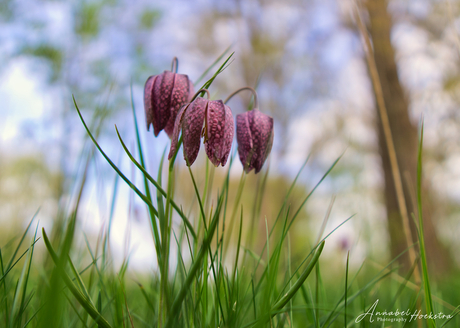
(306, 59)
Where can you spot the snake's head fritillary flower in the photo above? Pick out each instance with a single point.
(210, 119)
(254, 134)
(219, 132)
(164, 94)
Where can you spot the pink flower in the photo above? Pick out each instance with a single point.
(164, 94)
(210, 119)
(254, 134)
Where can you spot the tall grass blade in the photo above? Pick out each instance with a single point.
(285, 299)
(10, 264)
(345, 322)
(452, 316)
(220, 70)
(159, 188)
(238, 246)
(84, 302)
(212, 65)
(5, 273)
(20, 297)
(153, 222)
(203, 215)
(106, 241)
(196, 265)
(426, 281)
(130, 184)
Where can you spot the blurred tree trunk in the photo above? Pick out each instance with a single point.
(406, 142)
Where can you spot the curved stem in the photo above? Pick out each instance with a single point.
(200, 91)
(256, 102)
(175, 65)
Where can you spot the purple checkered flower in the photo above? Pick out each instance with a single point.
(210, 119)
(164, 94)
(254, 134)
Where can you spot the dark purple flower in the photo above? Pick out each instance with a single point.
(254, 134)
(164, 94)
(210, 119)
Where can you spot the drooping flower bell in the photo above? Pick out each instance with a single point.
(254, 134)
(210, 119)
(164, 94)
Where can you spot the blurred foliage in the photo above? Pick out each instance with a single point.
(26, 185)
(149, 19)
(52, 55)
(88, 19)
(5, 9)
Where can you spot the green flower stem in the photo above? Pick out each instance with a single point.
(175, 65)
(254, 93)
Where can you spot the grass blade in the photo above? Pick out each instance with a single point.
(130, 184)
(426, 281)
(153, 222)
(285, 299)
(212, 65)
(196, 265)
(84, 302)
(158, 186)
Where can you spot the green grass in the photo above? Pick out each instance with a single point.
(222, 278)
